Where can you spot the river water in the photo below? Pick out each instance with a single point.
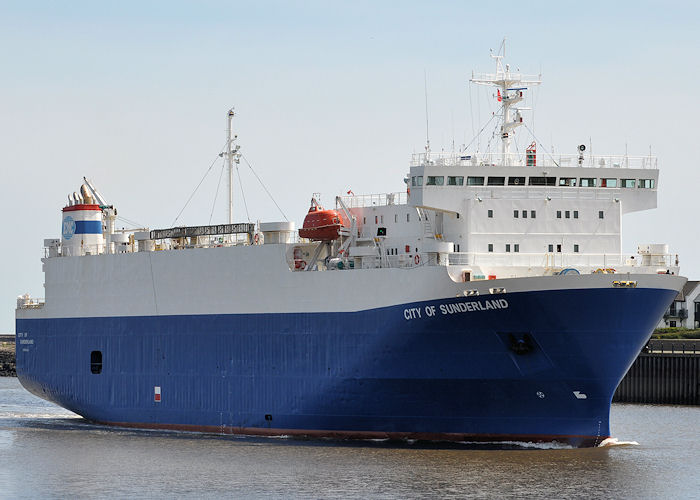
(49, 452)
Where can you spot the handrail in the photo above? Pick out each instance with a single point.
(552, 259)
(378, 199)
(451, 159)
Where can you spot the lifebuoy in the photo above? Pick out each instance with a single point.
(256, 238)
(416, 259)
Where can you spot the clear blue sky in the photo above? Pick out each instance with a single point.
(330, 97)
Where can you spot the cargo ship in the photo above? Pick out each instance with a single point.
(487, 300)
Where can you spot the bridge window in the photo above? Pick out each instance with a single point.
(646, 183)
(455, 180)
(516, 181)
(490, 247)
(507, 247)
(490, 214)
(567, 181)
(575, 214)
(542, 181)
(601, 214)
(435, 180)
(587, 182)
(567, 214)
(608, 183)
(496, 181)
(475, 181)
(558, 214)
(515, 214)
(627, 183)
(516, 247)
(524, 214)
(533, 214)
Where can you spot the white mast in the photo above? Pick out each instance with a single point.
(232, 156)
(510, 87)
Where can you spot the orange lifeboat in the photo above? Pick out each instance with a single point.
(320, 224)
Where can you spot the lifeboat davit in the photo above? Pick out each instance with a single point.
(320, 224)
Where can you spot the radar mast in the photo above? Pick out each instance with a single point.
(510, 87)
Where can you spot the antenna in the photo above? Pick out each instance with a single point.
(232, 156)
(510, 90)
(427, 128)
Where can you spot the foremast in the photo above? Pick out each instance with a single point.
(232, 156)
(510, 87)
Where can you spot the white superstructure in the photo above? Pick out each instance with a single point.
(480, 215)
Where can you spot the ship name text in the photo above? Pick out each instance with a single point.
(430, 311)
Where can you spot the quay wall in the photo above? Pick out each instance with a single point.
(665, 372)
(7, 356)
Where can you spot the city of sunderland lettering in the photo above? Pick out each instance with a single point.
(455, 308)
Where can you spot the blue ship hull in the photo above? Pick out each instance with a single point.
(533, 366)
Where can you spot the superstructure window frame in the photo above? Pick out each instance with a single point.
(435, 180)
(542, 181)
(516, 180)
(608, 182)
(475, 180)
(496, 181)
(628, 183)
(588, 182)
(567, 181)
(455, 180)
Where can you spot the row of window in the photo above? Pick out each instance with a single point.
(533, 214)
(379, 219)
(458, 180)
(516, 247)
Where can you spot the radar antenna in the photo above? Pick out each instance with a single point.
(510, 87)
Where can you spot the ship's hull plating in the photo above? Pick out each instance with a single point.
(444, 369)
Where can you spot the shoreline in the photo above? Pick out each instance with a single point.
(7, 359)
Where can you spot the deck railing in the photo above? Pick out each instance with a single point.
(542, 159)
(375, 200)
(553, 259)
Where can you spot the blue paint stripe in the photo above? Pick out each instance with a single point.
(88, 227)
